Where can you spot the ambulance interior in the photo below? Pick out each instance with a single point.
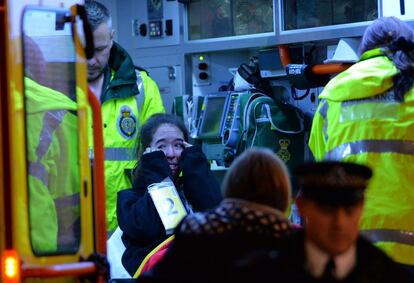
(195, 51)
(210, 59)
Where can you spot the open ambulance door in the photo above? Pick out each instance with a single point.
(52, 218)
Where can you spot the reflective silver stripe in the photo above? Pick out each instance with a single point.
(323, 111)
(371, 146)
(141, 95)
(383, 106)
(387, 235)
(51, 121)
(71, 200)
(369, 111)
(37, 170)
(120, 154)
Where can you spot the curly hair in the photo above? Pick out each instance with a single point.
(398, 37)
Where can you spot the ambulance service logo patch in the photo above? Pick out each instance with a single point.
(283, 152)
(127, 123)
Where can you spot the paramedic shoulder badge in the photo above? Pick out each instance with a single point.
(127, 123)
(283, 152)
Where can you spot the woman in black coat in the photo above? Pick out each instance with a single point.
(165, 153)
(250, 219)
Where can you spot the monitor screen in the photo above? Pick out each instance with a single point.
(211, 119)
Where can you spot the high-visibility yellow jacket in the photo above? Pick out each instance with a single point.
(129, 97)
(360, 120)
(52, 153)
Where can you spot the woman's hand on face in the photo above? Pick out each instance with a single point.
(186, 144)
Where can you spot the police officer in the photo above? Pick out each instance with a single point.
(128, 97)
(329, 247)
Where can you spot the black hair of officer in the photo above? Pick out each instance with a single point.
(334, 183)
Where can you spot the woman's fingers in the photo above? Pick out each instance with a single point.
(186, 144)
(150, 149)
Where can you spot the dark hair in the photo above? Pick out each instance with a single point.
(398, 37)
(154, 122)
(259, 175)
(97, 14)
